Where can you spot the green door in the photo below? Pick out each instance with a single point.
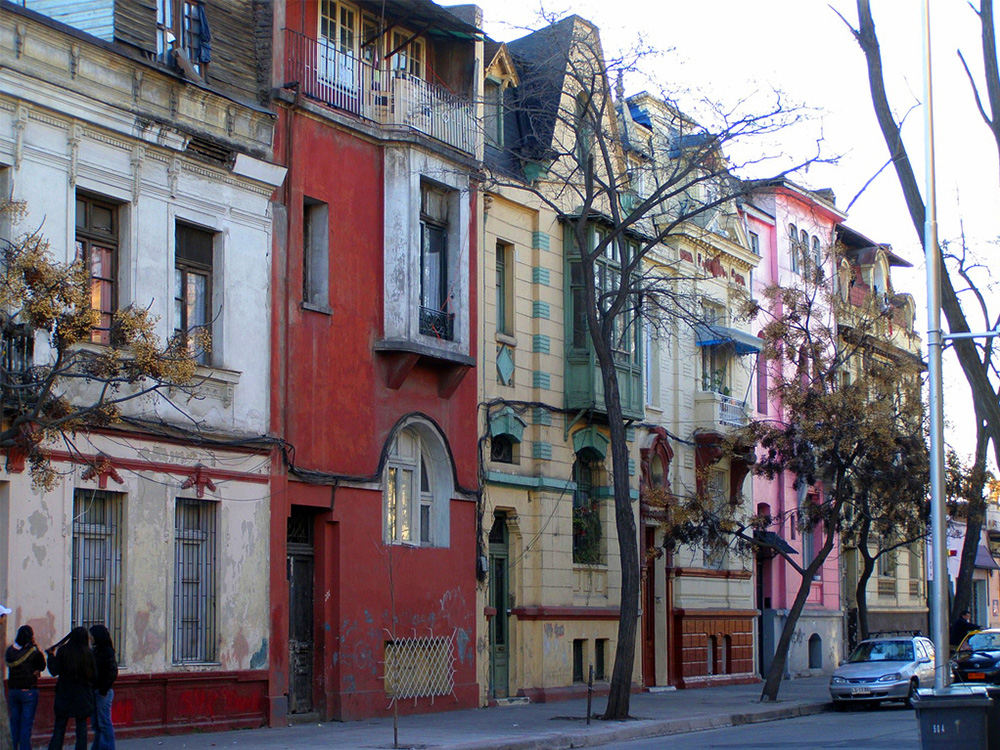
(499, 597)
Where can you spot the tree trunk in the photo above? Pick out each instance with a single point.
(620, 689)
(861, 592)
(972, 366)
(975, 515)
(777, 671)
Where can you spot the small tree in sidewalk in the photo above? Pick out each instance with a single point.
(569, 146)
(848, 442)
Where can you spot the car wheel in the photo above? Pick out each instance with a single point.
(911, 694)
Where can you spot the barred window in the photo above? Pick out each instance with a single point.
(97, 561)
(195, 582)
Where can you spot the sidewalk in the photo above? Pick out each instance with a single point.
(541, 726)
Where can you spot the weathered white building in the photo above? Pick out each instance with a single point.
(158, 180)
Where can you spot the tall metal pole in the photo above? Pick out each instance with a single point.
(932, 254)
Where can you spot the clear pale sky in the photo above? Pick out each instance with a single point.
(729, 49)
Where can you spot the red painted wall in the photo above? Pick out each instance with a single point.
(146, 705)
(331, 402)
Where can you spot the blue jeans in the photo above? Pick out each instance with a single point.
(22, 705)
(59, 732)
(104, 731)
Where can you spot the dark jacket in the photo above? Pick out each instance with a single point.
(23, 676)
(74, 689)
(107, 669)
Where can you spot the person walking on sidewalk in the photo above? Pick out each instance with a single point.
(73, 665)
(107, 672)
(24, 664)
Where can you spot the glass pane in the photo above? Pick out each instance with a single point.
(81, 214)
(346, 30)
(391, 503)
(404, 495)
(197, 299)
(425, 524)
(102, 219)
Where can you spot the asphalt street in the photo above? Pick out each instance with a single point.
(878, 729)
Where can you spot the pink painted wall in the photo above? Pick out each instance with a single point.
(779, 209)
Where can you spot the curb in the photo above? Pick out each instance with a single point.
(642, 729)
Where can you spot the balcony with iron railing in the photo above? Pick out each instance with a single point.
(712, 409)
(381, 94)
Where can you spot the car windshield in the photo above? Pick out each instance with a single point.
(882, 651)
(982, 642)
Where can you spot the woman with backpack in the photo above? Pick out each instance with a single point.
(107, 672)
(24, 663)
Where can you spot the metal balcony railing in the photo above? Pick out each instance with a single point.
(732, 412)
(383, 94)
(437, 323)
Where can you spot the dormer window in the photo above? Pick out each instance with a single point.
(493, 112)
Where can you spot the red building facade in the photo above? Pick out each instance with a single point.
(374, 516)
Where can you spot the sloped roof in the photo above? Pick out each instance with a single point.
(542, 58)
(423, 14)
(863, 251)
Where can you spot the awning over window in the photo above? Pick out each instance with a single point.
(771, 543)
(985, 560)
(743, 342)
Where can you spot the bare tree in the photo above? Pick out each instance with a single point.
(569, 145)
(973, 357)
(853, 445)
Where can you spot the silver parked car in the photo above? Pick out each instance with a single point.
(884, 669)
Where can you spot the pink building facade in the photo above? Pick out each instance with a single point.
(785, 221)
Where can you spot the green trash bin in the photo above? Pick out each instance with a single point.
(957, 718)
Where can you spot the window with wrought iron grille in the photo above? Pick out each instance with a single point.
(436, 315)
(97, 576)
(588, 526)
(195, 563)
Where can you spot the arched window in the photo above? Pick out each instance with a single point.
(726, 662)
(417, 488)
(815, 651)
(712, 656)
(817, 254)
(793, 248)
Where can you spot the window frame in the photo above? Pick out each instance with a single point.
(504, 288)
(88, 237)
(187, 266)
(183, 15)
(205, 538)
(587, 510)
(316, 254)
(421, 523)
(111, 533)
(435, 321)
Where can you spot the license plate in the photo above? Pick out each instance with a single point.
(977, 675)
(861, 691)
